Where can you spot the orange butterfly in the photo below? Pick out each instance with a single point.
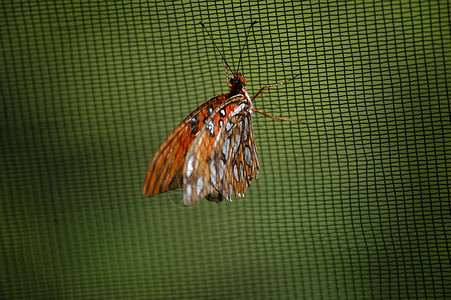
(212, 153)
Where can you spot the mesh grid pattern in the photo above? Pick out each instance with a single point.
(354, 205)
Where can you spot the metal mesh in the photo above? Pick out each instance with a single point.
(353, 205)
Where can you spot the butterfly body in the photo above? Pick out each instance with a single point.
(212, 153)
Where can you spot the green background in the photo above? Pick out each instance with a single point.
(354, 205)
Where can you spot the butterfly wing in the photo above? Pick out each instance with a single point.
(238, 153)
(165, 170)
(222, 159)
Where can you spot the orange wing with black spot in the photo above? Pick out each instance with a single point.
(165, 170)
(211, 153)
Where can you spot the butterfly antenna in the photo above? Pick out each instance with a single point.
(245, 43)
(211, 38)
(227, 73)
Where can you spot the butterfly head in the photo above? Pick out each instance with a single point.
(237, 84)
(238, 79)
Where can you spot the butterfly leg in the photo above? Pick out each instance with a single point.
(274, 84)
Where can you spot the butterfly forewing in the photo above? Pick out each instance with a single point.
(165, 171)
(222, 159)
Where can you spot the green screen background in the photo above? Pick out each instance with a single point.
(354, 205)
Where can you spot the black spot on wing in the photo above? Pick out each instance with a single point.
(194, 122)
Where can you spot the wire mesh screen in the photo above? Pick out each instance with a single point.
(353, 205)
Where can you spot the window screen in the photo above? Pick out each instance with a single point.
(353, 205)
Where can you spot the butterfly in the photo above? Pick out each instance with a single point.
(212, 153)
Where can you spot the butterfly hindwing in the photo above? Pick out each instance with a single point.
(222, 159)
(236, 156)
